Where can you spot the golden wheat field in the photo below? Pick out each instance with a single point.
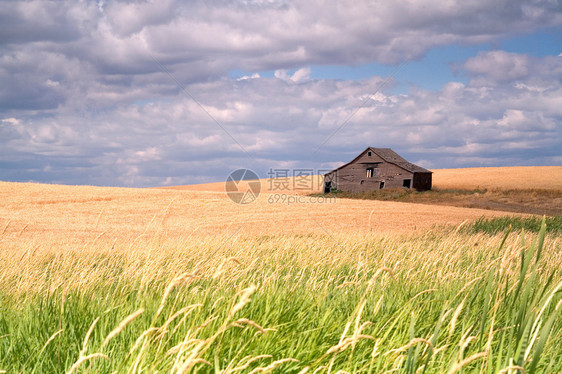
(267, 186)
(509, 178)
(123, 280)
(506, 178)
(80, 213)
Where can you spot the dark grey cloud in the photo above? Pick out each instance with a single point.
(36, 21)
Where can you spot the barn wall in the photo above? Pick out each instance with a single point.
(422, 181)
(364, 157)
(353, 177)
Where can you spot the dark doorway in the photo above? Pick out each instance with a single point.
(407, 183)
(381, 185)
(327, 187)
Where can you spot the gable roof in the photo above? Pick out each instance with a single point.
(391, 157)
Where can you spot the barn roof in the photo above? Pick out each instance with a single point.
(391, 157)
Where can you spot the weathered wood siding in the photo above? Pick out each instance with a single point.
(422, 181)
(353, 177)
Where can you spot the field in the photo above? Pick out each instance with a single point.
(104, 280)
(519, 189)
(503, 178)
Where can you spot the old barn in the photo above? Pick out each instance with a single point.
(374, 169)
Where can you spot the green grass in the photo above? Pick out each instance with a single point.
(501, 224)
(472, 312)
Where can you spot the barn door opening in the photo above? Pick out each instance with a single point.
(407, 183)
(327, 187)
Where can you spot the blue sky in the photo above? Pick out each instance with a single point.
(150, 93)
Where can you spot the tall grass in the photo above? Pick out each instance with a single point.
(361, 303)
(501, 224)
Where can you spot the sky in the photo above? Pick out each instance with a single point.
(155, 93)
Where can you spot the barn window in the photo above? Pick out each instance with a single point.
(369, 172)
(369, 154)
(407, 183)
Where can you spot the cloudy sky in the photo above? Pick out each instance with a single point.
(162, 92)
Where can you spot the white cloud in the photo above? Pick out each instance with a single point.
(51, 83)
(11, 121)
(499, 65)
(301, 74)
(150, 153)
(281, 74)
(253, 76)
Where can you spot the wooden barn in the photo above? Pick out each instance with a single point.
(375, 169)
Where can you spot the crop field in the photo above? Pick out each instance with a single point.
(508, 178)
(519, 189)
(503, 178)
(117, 280)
